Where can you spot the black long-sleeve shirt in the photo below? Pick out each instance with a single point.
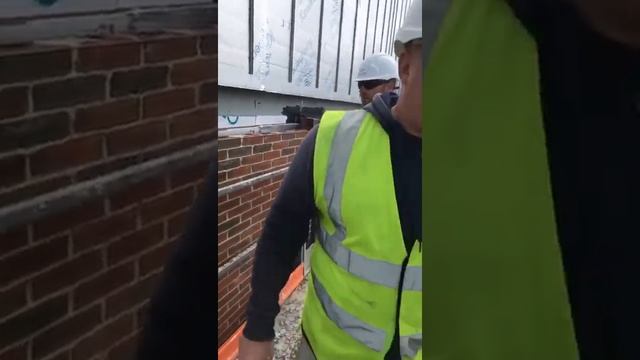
(287, 225)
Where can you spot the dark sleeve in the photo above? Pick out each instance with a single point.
(534, 14)
(285, 231)
(182, 318)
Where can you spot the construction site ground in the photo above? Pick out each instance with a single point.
(287, 325)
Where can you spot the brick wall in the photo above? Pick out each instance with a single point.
(74, 284)
(241, 213)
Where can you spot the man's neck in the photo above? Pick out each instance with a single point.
(400, 116)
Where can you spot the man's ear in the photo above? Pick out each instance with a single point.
(404, 65)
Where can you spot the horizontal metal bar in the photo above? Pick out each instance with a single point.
(246, 183)
(77, 194)
(236, 261)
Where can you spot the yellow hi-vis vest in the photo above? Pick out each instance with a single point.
(493, 277)
(359, 255)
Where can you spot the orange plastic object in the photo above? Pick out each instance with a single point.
(229, 350)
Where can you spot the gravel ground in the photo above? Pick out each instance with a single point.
(287, 325)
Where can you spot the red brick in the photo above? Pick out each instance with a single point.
(193, 122)
(26, 323)
(104, 338)
(69, 92)
(252, 159)
(228, 224)
(288, 151)
(105, 167)
(261, 148)
(108, 57)
(279, 145)
(68, 219)
(295, 142)
(209, 44)
(301, 134)
(169, 49)
(279, 162)
(103, 284)
(18, 352)
(240, 171)
(107, 115)
(239, 210)
(98, 232)
(222, 155)
(240, 152)
(288, 136)
(222, 176)
(15, 102)
(252, 140)
(13, 170)
(208, 93)
(229, 143)
(179, 144)
(125, 350)
(176, 224)
(252, 211)
(135, 243)
(33, 259)
(12, 239)
(252, 195)
(265, 165)
(194, 71)
(188, 174)
(71, 153)
(138, 192)
(66, 274)
(12, 299)
(168, 102)
(272, 155)
(129, 297)
(139, 81)
(34, 189)
(166, 204)
(136, 137)
(155, 259)
(34, 131)
(225, 165)
(272, 138)
(260, 200)
(66, 332)
(34, 66)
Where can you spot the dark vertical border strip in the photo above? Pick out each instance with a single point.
(366, 31)
(353, 46)
(335, 86)
(291, 38)
(251, 25)
(375, 28)
(319, 44)
(384, 21)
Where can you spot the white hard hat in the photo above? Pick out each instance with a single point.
(411, 28)
(378, 67)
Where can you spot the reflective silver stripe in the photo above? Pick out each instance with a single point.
(433, 13)
(375, 271)
(368, 335)
(412, 278)
(410, 344)
(341, 146)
